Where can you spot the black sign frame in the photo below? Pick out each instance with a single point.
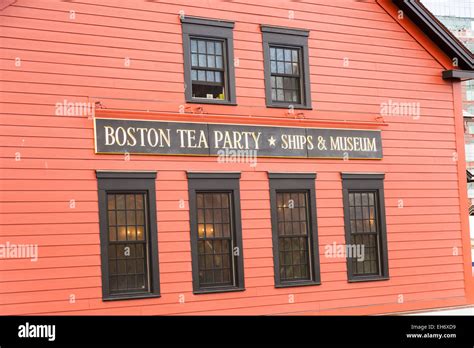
(175, 138)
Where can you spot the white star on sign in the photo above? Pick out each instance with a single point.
(272, 141)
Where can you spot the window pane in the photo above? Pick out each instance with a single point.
(279, 82)
(210, 76)
(111, 202)
(217, 76)
(130, 201)
(122, 233)
(139, 201)
(112, 218)
(120, 200)
(201, 75)
(279, 52)
(194, 59)
(219, 63)
(218, 48)
(210, 47)
(273, 67)
(202, 46)
(193, 46)
(211, 61)
(112, 233)
(281, 67)
(280, 96)
(294, 54)
(296, 70)
(295, 98)
(121, 217)
(202, 60)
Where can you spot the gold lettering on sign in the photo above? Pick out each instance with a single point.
(202, 140)
(236, 140)
(131, 136)
(109, 136)
(256, 138)
(165, 137)
(142, 136)
(188, 139)
(296, 142)
(120, 136)
(353, 144)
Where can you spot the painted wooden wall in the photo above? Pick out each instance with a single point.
(49, 54)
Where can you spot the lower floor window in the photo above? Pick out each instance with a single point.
(294, 229)
(216, 232)
(215, 238)
(363, 214)
(293, 236)
(364, 220)
(129, 246)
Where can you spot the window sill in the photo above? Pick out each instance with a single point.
(123, 297)
(297, 284)
(367, 279)
(217, 290)
(211, 101)
(287, 106)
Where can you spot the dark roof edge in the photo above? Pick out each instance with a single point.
(437, 32)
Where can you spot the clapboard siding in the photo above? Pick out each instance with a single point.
(48, 185)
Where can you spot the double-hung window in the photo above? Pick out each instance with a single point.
(286, 59)
(216, 232)
(208, 60)
(294, 229)
(128, 235)
(364, 219)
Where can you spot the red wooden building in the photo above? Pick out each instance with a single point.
(231, 157)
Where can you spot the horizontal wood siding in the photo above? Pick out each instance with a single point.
(47, 161)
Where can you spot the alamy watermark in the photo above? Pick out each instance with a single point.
(37, 331)
(395, 108)
(352, 251)
(69, 108)
(237, 156)
(19, 251)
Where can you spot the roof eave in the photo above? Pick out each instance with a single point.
(437, 32)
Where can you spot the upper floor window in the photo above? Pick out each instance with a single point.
(286, 67)
(208, 61)
(364, 219)
(285, 70)
(128, 234)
